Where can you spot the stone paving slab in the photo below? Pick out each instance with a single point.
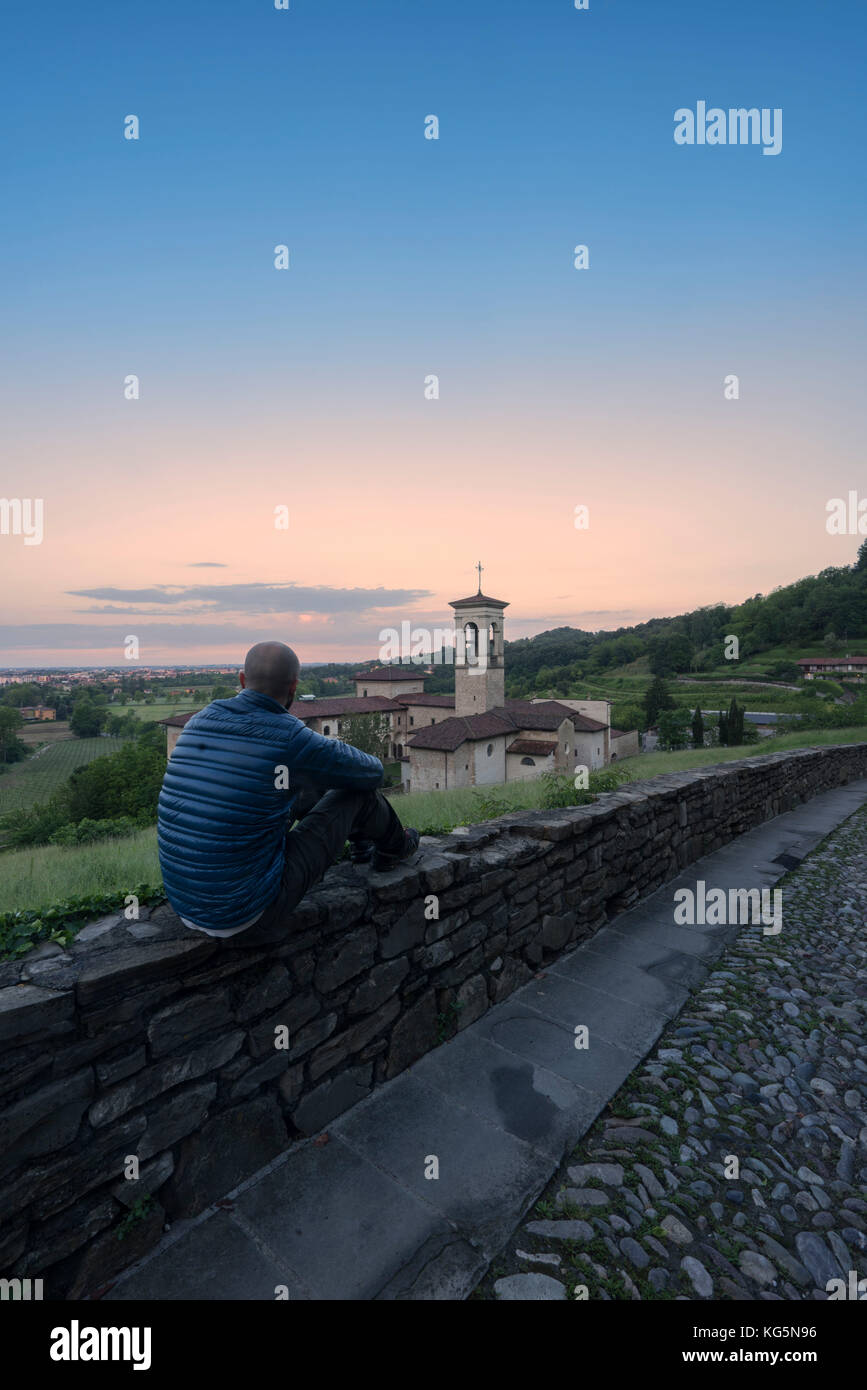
(487, 1178)
(522, 1097)
(214, 1260)
(624, 981)
(500, 1105)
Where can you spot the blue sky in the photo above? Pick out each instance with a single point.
(556, 127)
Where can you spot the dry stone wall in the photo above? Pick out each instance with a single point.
(146, 1041)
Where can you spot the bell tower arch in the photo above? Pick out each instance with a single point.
(479, 652)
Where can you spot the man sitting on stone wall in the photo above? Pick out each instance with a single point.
(242, 771)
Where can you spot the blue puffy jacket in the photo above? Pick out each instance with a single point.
(222, 821)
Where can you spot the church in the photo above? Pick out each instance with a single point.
(475, 737)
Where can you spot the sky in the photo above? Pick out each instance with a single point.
(308, 389)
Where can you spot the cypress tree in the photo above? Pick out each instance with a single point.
(697, 729)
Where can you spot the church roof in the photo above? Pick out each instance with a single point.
(540, 746)
(177, 721)
(477, 601)
(449, 734)
(392, 673)
(418, 697)
(344, 704)
(514, 717)
(549, 714)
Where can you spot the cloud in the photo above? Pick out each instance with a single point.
(253, 599)
(206, 565)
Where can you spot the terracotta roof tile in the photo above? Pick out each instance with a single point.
(344, 704)
(392, 673)
(541, 746)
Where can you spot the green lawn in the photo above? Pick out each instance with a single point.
(149, 713)
(35, 878)
(48, 874)
(651, 764)
(45, 770)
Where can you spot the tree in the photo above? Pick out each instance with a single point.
(674, 728)
(657, 699)
(369, 733)
(87, 720)
(731, 726)
(12, 750)
(628, 716)
(670, 654)
(697, 729)
(18, 695)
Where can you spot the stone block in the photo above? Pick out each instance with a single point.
(352, 1040)
(61, 1181)
(46, 1120)
(27, 1009)
(405, 933)
(264, 994)
(381, 983)
(164, 1076)
(178, 1023)
(107, 1255)
(343, 961)
(118, 972)
(254, 1077)
(332, 1098)
(513, 974)
(413, 1034)
(175, 1118)
(311, 1035)
(52, 1240)
(472, 1000)
(108, 1073)
(129, 1191)
(227, 1149)
(557, 930)
(292, 1015)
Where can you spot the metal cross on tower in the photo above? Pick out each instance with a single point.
(479, 568)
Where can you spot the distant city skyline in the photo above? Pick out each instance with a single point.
(309, 389)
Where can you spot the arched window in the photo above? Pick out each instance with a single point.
(326, 729)
(471, 641)
(528, 762)
(400, 750)
(490, 749)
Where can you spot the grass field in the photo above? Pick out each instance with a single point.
(49, 874)
(149, 713)
(45, 770)
(714, 691)
(35, 878)
(47, 731)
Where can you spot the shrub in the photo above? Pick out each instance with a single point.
(21, 931)
(86, 831)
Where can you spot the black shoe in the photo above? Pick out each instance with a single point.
(360, 851)
(382, 862)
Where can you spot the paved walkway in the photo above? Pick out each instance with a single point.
(498, 1108)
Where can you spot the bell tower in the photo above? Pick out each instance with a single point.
(479, 653)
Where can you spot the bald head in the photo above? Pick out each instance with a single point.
(272, 669)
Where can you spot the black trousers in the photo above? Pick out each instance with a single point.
(326, 821)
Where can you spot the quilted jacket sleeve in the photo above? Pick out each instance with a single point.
(330, 763)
